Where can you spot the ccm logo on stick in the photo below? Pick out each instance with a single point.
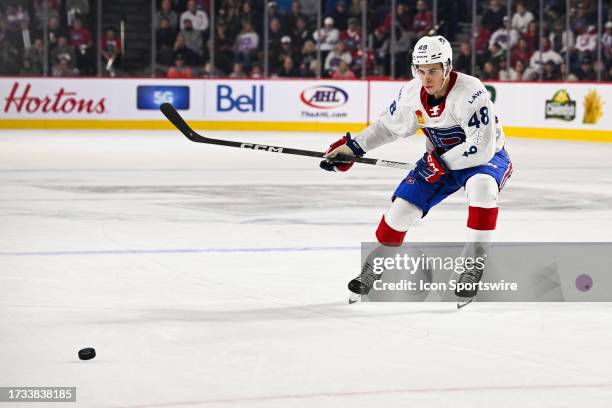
(261, 147)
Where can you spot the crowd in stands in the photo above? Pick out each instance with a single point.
(534, 49)
(184, 39)
(70, 42)
(294, 40)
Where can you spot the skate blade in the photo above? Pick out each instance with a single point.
(462, 302)
(354, 298)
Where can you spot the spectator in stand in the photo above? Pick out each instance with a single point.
(81, 39)
(65, 51)
(550, 72)
(586, 43)
(110, 51)
(274, 40)
(288, 69)
(583, 19)
(566, 74)
(248, 14)
(402, 17)
(295, 15)
(199, 18)
(600, 67)
(309, 54)
(256, 72)
(327, 36)
(34, 59)
(520, 52)
(193, 38)
(522, 18)
(179, 70)
(586, 71)
(504, 36)
(76, 9)
(606, 42)
(55, 31)
(164, 38)
(224, 49)
(547, 55)
(489, 72)
(246, 45)
(354, 9)
(422, 22)
(561, 40)
(167, 13)
(64, 67)
(463, 61)
(343, 72)
(309, 8)
(519, 71)
(379, 41)
(286, 50)
(351, 37)
(237, 71)
(23, 40)
(273, 11)
(496, 53)
(340, 16)
(482, 39)
(505, 74)
(181, 49)
(53, 7)
(300, 33)
(10, 57)
(333, 58)
(531, 36)
(493, 17)
(14, 16)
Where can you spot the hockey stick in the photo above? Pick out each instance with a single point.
(176, 119)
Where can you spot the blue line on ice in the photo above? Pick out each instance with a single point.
(177, 251)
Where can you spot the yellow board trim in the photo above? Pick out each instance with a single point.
(583, 135)
(165, 125)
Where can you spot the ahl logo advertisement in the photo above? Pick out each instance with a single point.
(21, 99)
(151, 97)
(561, 106)
(322, 100)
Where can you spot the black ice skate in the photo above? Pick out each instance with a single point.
(362, 284)
(470, 277)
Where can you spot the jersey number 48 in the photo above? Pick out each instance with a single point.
(484, 118)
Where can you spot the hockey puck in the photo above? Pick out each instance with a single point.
(87, 353)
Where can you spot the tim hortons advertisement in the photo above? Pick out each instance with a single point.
(33, 98)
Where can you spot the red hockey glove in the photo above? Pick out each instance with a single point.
(345, 146)
(431, 167)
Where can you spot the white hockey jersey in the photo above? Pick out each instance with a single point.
(462, 128)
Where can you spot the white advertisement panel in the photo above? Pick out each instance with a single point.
(286, 101)
(529, 105)
(97, 99)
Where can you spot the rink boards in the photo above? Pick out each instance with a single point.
(571, 111)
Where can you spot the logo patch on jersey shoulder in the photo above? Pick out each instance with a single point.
(409, 180)
(420, 119)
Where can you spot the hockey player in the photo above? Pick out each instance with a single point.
(465, 148)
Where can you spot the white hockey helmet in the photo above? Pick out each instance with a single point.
(432, 50)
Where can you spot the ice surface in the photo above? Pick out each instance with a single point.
(216, 277)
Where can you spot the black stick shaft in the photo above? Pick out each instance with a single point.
(175, 118)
